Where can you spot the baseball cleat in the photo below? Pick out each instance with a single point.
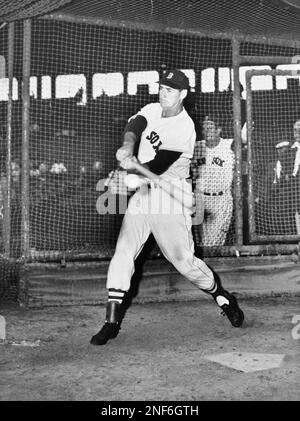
(108, 331)
(232, 310)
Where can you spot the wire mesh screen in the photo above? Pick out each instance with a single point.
(261, 18)
(275, 146)
(3, 120)
(10, 210)
(93, 65)
(22, 9)
(85, 85)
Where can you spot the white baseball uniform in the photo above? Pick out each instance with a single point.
(152, 210)
(213, 171)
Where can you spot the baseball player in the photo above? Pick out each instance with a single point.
(288, 157)
(212, 172)
(285, 201)
(166, 136)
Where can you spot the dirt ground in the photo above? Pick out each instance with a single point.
(158, 355)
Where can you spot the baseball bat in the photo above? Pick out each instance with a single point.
(177, 193)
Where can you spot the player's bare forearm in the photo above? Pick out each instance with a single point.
(127, 149)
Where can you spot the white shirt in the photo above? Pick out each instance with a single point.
(170, 133)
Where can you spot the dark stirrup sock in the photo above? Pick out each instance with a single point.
(116, 295)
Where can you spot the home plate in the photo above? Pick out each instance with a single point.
(248, 361)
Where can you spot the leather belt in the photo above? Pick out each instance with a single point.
(220, 193)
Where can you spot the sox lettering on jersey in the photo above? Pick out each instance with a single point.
(154, 140)
(218, 161)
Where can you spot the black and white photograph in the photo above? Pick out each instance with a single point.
(149, 204)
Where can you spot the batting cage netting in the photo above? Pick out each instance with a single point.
(71, 79)
(274, 199)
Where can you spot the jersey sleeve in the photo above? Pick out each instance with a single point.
(162, 161)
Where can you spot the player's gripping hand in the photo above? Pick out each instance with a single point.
(129, 163)
(126, 151)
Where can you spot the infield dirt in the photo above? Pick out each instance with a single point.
(160, 353)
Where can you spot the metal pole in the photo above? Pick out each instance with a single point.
(254, 60)
(25, 137)
(7, 202)
(238, 198)
(251, 202)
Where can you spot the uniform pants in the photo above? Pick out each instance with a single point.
(217, 218)
(154, 211)
(219, 213)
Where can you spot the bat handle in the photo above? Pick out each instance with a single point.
(178, 193)
(144, 171)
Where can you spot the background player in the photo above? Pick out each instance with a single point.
(167, 139)
(285, 193)
(212, 171)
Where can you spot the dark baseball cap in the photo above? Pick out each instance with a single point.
(175, 79)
